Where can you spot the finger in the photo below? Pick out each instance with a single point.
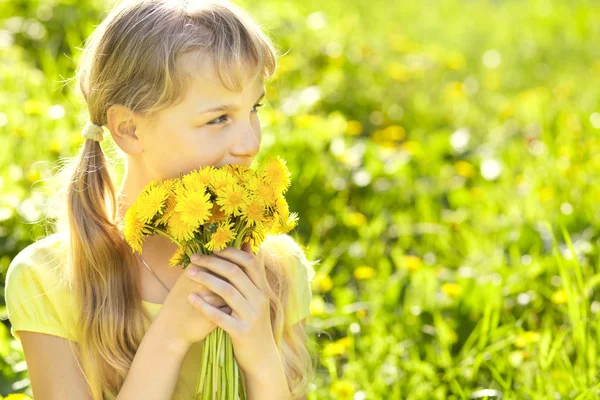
(249, 261)
(227, 271)
(227, 291)
(220, 318)
(212, 299)
(226, 309)
(247, 247)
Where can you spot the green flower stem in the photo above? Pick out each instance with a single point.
(220, 377)
(163, 233)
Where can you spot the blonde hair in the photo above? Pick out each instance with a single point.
(131, 59)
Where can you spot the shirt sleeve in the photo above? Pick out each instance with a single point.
(35, 295)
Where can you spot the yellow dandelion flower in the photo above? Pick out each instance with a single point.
(411, 262)
(451, 289)
(220, 239)
(192, 182)
(288, 223)
(217, 215)
(17, 396)
(151, 202)
(194, 207)
(168, 184)
(253, 244)
(231, 198)
(178, 257)
(251, 181)
(337, 348)
(270, 222)
(258, 234)
(465, 168)
(364, 272)
(253, 211)
(236, 170)
(221, 178)
(342, 390)
(204, 175)
(267, 193)
(281, 206)
(559, 297)
(180, 229)
(322, 283)
(133, 229)
(277, 174)
(168, 211)
(526, 338)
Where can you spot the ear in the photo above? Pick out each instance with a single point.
(122, 126)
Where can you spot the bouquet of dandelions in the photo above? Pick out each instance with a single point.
(207, 210)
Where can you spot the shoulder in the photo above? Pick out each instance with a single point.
(41, 260)
(37, 293)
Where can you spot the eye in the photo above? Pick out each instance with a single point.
(219, 121)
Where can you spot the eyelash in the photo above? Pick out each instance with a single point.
(219, 123)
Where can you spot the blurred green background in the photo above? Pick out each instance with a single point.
(444, 159)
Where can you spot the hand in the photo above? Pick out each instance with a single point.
(249, 325)
(179, 320)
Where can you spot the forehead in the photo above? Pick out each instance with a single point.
(204, 79)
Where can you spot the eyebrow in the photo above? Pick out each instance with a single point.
(227, 107)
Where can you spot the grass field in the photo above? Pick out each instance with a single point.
(445, 159)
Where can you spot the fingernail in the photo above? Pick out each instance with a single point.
(193, 271)
(195, 258)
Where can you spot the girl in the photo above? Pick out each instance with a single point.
(178, 85)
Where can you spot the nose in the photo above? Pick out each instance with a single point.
(247, 142)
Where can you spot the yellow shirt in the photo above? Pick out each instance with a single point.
(39, 300)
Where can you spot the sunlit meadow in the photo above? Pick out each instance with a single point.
(444, 159)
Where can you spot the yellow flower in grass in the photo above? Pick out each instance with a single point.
(276, 173)
(342, 390)
(364, 272)
(411, 262)
(322, 283)
(559, 297)
(133, 229)
(194, 207)
(177, 257)
(253, 211)
(231, 198)
(451, 289)
(221, 237)
(151, 201)
(526, 338)
(337, 348)
(180, 229)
